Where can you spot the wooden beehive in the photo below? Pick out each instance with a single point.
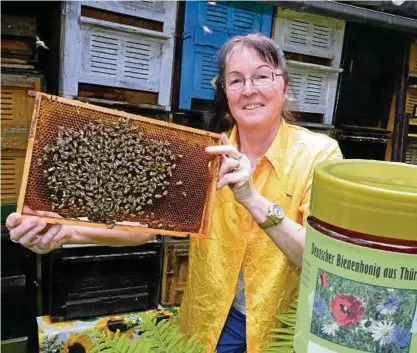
(16, 113)
(175, 270)
(187, 208)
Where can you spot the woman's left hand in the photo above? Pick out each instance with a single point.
(235, 171)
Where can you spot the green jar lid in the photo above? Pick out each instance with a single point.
(372, 197)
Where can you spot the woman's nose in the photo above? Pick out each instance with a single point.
(248, 88)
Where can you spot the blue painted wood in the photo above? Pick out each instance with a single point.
(206, 28)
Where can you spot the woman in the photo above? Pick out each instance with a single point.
(249, 267)
(244, 274)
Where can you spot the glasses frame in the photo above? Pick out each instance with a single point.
(273, 74)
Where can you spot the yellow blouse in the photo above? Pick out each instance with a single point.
(284, 176)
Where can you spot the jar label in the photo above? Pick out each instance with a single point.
(355, 299)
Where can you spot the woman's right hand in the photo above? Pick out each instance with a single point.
(32, 231)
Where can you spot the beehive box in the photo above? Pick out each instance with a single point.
(182, 207)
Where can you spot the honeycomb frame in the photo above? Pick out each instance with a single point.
(198, 172)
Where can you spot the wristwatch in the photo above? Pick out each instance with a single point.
(274, 217)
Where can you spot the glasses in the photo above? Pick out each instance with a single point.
(237, 81)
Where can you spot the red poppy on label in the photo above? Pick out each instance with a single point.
(324, 279)
(346, 309)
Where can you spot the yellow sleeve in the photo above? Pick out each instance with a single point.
(331, 152)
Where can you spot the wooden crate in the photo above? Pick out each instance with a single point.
(175, 269)
(12, 163)
(16, 109)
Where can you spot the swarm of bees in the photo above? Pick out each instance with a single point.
(107, 172)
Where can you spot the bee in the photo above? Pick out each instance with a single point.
(344, 308)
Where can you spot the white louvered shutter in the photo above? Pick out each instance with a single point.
(312, 87)
(117, 59)
(117, 55)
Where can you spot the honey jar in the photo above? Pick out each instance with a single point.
(358, 289)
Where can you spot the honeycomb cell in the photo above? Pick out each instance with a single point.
(170, 212)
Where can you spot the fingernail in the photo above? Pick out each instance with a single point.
(12, 222)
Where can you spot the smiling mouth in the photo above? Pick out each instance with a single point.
(252, 106)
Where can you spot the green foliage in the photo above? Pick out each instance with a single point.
(283, 335)
(162, 337)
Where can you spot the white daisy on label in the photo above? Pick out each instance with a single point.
(366, 324)
(383, 331)
(330, 328)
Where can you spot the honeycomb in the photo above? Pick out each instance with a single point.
(185, 209)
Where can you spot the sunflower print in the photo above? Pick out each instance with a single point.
(47, 320)
(77, 343)
(113, 323)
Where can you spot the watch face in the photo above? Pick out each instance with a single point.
(278, 212)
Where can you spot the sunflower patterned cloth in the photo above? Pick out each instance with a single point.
(77, 336)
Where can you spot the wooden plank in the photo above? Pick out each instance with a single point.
(167, 58)
(314, 66)
(117, 94)
(123, 27)
(155, 10)
(128, 20)
(28, 159)
(18, 48)
(118, 104)
(412, 70)
(70, 49)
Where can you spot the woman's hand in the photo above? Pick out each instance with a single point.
(32, 231)
(235, 171)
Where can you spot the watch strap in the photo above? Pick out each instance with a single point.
(271, 219)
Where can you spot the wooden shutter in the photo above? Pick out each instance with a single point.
(123, 60)
(12, 163)
(102, 52)
(309, 34)
(411, 100)
(312, 87)
(16, 109)
(207, 27)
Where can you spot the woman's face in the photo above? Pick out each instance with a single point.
(253, 106)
